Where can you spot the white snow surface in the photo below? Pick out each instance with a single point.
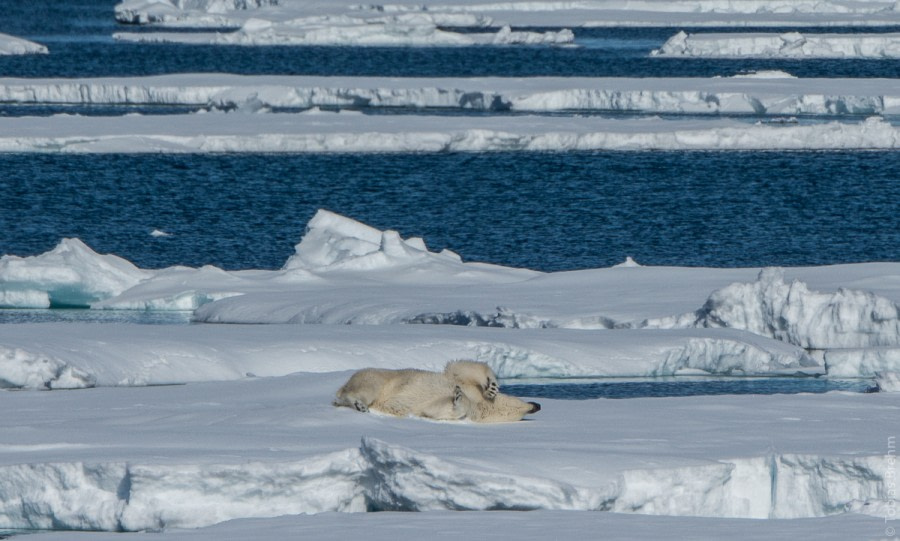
(355, 132)
(195, 455)
(769, 93)
(76, 356)
(543, 13)
(11, 45)
(785, 45)
(502, 525)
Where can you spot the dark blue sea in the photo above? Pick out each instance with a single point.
(546, 211)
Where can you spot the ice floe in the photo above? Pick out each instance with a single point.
(396, 30)
(212, 12)
(170, 457)
(552, 13)
(11, 45)
(342, 132)
(762, 93)
(382, 477)
(786, 45)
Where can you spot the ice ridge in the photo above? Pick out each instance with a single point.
(791, 312)
(378, 476)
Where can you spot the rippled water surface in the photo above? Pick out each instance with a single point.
(674, 387)
(547, 211)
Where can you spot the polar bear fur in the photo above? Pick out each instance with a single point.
(464, 390)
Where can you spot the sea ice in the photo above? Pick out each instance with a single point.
(524, 13)
(342, 132)
(74, 356)
(173, 11)
(69, 275)
(196, 455)
(10, 45)
(786, 45)
(394, 30)
(759, 93)
(888, 382)
(789, 311)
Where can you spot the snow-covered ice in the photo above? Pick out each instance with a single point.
(501, 525)
(785, 45)
(74, 356)
(763, 93)
(355, 132)
(10, 45)
(195, 455)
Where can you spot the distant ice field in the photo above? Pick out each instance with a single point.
(605, 52)
(760, 95)
(545, 211)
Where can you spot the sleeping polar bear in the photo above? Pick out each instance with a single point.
(464, 390)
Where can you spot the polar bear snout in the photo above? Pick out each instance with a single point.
(535, 407)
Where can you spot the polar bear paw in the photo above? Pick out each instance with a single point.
(360, 406)
(457, 395)
(492, 389)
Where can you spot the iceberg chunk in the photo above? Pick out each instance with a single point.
(791, 312)
(336, 242)
(11, 45)
(70, 275)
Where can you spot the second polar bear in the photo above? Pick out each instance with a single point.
(464, 390)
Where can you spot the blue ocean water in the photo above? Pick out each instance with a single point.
(546, 211)
(674, 387)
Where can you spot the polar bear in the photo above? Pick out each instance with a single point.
(464, 390)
